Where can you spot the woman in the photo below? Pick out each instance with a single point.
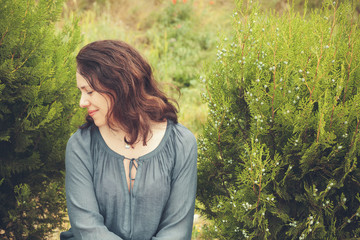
(131, 168)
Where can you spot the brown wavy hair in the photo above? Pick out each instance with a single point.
(116, 69)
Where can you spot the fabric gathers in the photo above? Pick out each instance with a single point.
(160, 202)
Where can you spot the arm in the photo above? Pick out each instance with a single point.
(86, 221)
(177, 218)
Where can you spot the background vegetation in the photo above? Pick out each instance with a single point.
(279, 153)
(179, 38)
(37, 103)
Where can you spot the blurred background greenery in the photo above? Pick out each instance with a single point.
(178, 38)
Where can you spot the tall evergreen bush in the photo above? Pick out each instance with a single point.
(279, 154)
(37, 101)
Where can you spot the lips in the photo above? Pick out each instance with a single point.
(92, 112)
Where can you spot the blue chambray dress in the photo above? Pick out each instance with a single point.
(159, 206)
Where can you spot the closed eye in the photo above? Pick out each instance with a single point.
(91, 92)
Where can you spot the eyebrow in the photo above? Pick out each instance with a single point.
(82, 87)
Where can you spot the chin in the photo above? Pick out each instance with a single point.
(99, 124)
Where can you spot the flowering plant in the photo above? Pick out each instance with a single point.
(278, 156)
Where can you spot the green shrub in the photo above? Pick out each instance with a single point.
(37, 101)
(279, 153)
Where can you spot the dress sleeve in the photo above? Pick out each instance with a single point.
(85, 219)
(177, 218)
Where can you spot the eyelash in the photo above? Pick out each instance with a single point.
(91, 92)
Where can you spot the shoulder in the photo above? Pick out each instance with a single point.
(184, 143)
(185, 148)
(183, 135)
(78, 152)
(79, 143)
(80, 137)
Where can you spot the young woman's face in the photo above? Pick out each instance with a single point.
(97, 104)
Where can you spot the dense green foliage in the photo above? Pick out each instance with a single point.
(279, 153)
(37, 100)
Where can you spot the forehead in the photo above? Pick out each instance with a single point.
(81, 81)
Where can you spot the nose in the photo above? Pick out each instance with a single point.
(84, 102)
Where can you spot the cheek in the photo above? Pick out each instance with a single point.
(106, 102)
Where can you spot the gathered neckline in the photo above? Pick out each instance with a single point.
(148, 155)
